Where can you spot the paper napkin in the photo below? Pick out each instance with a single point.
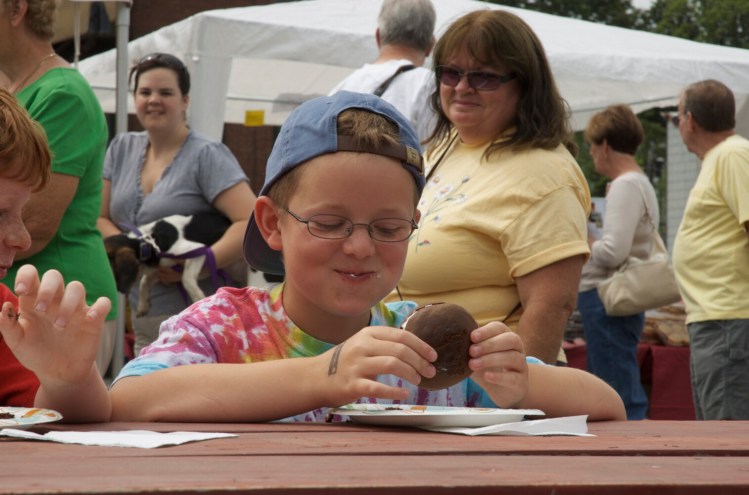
(135, 438)
(568, 425)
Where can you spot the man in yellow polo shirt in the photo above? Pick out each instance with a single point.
(711, 253)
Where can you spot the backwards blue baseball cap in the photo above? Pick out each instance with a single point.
(311, 130)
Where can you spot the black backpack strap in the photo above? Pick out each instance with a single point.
(384, 86)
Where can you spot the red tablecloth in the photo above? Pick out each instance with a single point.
(664, 372)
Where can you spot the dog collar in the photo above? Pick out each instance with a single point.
(147, 248)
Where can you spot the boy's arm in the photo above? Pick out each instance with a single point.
(500, 368)
(253, 392)
(56, 336)
(562, 391)
(272, 390)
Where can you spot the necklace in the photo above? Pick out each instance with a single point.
(18, 87)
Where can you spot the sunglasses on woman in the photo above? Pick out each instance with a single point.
(162, 60)
(478, 80)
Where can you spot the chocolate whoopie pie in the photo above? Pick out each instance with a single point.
(447, 328)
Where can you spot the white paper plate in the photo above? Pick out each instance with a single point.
(431, 416)
(26, 417)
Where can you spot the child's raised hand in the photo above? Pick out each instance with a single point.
(499, 365)
(54, 334)
(353, 365)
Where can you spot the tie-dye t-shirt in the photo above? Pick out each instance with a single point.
(250, 325)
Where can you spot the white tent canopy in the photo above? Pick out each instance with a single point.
(271, 58)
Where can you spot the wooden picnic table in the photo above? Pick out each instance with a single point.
(625, 457)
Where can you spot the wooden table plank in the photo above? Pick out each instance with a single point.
(643, 457)
(648, 438)
(377, 474)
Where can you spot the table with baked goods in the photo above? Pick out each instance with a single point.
(643, 457)
(663, 354)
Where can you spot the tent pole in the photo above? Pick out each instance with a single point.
(122, 35)
(123, 27)
(76, 34)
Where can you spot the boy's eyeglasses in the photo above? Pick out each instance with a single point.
(336, 227)
(675, 120)
(478, 80)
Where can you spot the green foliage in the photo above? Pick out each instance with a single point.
(721, 22)
(611, 12)
(596, 182)
(652, 153)
(673, 17)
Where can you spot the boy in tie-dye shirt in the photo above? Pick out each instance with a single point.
(334, 216)
(250, 326)
(340, 162)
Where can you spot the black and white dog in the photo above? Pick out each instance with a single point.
(136, 255)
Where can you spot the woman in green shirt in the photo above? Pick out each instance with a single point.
(62, 217)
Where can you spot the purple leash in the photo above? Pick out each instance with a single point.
(210, 260)
(145, 253)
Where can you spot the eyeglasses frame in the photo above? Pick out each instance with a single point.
(307, 221)
(502, 79)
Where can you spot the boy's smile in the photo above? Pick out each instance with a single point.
(331, 284)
